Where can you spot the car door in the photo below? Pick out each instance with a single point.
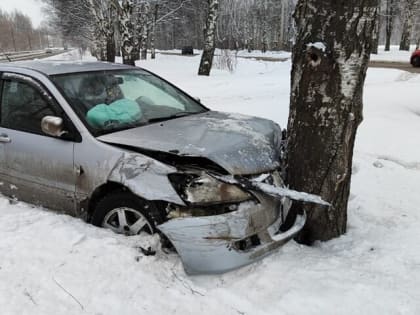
(37, 168)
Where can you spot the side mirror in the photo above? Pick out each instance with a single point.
(53, 126)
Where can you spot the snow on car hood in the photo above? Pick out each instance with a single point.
(240, 144)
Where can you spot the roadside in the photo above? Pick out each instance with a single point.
(404, 66)
(389, 60)
(28, 55)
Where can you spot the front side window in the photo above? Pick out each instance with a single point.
(108, 101)
(23, 107)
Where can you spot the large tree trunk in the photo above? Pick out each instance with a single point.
(330, 59)
(210, 39)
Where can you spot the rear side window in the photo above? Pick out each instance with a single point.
(23, 107)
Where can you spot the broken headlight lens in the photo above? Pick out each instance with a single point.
(204, 189)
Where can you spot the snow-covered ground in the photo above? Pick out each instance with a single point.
(55, 264)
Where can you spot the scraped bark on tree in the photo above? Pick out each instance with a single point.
(330, 59)
(210, 38)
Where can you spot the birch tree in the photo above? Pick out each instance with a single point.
(210, 38)
(330, 59)
(390, 11)
(127, 32)
(407, 16)
(104, 14)
(377, 32)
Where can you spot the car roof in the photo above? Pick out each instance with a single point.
(54, 67)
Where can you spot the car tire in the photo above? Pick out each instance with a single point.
(124, 213)
(416, 61)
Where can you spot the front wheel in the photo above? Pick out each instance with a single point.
(123, 213)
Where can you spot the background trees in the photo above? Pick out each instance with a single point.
(136, 25)
(171, 24)
(17, 33)
(210, 38)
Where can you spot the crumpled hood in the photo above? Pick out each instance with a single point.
(242, 145)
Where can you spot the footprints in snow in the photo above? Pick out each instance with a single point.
(379, 164)
(405, 164)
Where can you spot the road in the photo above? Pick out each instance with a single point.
(405, 66)
(20, 56)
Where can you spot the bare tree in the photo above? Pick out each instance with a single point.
(377, 32)
(390, 11)
(407, 16)
(104, 14)
(17, 33)
(210, 38)
(330, 60)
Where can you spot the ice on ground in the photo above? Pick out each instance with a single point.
(55, 264)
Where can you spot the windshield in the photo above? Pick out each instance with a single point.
(109, 101)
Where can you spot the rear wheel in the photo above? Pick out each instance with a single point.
(123, 213)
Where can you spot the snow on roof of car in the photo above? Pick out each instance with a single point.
(64, 67)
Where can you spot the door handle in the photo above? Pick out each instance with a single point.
(4, 138)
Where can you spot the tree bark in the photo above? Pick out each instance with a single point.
(377, 32)
(408, 18)
(127, 32)
(389, 22)
(153, 32)
(110, 49)
(210, 39)
(330, 59)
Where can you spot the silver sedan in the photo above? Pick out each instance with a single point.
(126, 150)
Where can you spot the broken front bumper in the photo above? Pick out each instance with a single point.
(216, 244)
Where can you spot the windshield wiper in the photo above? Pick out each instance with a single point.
(103, 132)
(174, 116)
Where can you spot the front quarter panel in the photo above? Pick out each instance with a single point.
(145, 177)
(100, 163)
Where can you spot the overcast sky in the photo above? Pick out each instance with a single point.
(32, 8)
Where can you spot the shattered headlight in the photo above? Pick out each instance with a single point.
(203, 189)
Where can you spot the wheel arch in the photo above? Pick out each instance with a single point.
(111, 187)
(100, 192)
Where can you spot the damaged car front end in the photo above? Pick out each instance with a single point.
(218, 216)
(224, 227)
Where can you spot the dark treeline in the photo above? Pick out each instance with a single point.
(130, 27)
(18, 34)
